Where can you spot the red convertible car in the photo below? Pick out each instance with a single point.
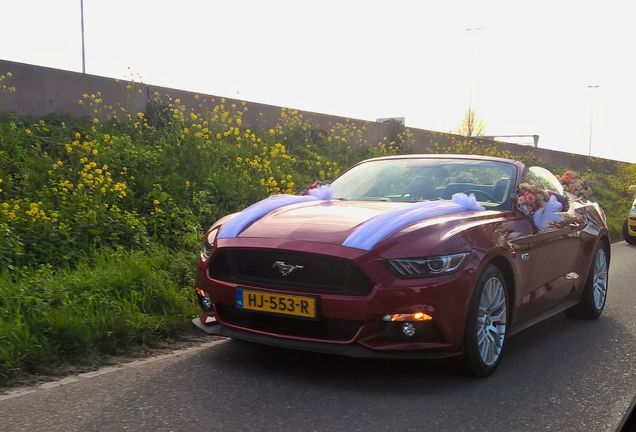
(419, 256)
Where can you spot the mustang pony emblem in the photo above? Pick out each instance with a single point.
(285, 269)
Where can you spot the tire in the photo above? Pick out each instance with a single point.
(486, 324)
(628, 238)
(594, 293)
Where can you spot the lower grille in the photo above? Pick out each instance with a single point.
(331, 329)
(314, 273)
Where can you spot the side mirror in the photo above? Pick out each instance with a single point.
(632, 189)
(563, 200)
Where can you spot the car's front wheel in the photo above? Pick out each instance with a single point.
(486, 325)
(626, 235)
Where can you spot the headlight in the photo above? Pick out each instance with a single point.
(428, 266)
(208, 244)
(633, 211)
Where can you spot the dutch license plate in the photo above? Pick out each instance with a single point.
(283, 304)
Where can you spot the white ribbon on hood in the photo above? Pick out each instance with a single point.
(237, 224)
(369, 233)
(379, 228)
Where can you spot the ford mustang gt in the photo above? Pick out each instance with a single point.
(418, 256)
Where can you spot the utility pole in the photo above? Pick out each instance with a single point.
(83, 52)
(594, 86)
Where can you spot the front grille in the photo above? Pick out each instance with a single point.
(330, 329)
(319, 273)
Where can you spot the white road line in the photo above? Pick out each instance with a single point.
(106, 370)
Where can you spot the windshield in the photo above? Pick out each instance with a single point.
(544, 179)
(420, 179)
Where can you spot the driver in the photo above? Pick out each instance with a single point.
(423, 188)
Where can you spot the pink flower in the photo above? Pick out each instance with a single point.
(530, 198)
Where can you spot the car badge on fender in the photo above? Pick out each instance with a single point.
(285, 269)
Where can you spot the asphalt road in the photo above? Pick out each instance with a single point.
(562, 375)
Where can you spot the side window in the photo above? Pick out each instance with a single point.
(544, 179)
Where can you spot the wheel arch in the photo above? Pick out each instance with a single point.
(605, 240)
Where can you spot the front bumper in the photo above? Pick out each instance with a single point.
(353, 324)
(349, 350)
(631, 226)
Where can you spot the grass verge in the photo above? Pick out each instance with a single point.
(115, 300)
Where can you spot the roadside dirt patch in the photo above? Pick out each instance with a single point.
(178, 342)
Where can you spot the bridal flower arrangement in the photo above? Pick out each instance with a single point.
(540, 205)
(575, 185)
(530, 198)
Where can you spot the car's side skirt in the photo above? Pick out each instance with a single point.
(554, 310)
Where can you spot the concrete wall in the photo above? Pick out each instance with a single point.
(42, 91)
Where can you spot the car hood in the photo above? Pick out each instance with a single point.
(325, 222)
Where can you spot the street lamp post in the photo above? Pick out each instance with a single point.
(594, 86)
(473, 60)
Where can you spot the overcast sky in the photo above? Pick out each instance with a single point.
(527, 70)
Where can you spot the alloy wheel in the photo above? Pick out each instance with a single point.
(599, 279)
(491, 321)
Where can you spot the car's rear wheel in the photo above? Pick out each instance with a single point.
(486, 324)
(628, 238)
(595, 291)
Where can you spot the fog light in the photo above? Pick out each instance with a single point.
(204, 300)
(408, 329)
(206, 303)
